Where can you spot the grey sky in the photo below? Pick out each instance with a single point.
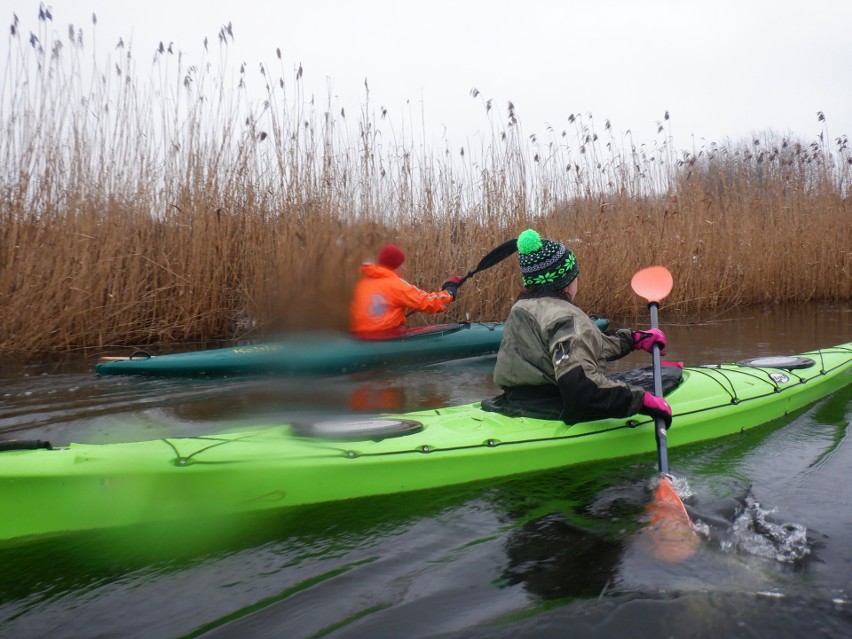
(723, 69)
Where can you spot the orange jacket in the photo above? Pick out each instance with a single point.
(381, 299)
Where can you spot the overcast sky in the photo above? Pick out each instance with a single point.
(723, 69)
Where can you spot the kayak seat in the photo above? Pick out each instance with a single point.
(644, 377)
(545, 402)
(403, 334)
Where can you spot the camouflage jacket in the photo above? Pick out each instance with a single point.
(548, 341)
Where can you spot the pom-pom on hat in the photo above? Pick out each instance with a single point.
(390, 256)
(545, 262)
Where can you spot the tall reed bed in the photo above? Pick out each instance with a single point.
(167, 204)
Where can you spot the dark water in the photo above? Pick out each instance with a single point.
(547, 555)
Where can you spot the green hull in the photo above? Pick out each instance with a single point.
(100, 486)
(322, 353)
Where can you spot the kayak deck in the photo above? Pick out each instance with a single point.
(100, 486)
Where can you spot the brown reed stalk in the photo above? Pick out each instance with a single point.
(211, 215)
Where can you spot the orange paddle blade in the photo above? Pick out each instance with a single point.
(653, 283)
(670, 531)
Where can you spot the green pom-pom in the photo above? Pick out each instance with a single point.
(529, 242)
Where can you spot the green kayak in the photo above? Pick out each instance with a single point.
(320, 353)
(79, 487)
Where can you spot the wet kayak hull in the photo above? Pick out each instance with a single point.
(277, 466)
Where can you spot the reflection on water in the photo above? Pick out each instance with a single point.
(548, 554)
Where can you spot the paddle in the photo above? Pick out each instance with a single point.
(494, 256)
(672, 533)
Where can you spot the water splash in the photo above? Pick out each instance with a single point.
(682, 488)
(752, 532)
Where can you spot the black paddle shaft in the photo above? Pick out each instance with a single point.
(495, 256)
(659, 422)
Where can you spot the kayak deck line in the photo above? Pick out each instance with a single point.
(725, 371)
(493, 443)
(773, 379)
(274, 466)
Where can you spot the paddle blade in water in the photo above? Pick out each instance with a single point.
(653, 283)
(670, 531)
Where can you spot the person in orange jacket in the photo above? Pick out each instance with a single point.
(382, 297)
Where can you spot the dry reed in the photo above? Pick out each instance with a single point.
(136, 212)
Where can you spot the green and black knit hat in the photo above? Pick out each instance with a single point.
(544, 262)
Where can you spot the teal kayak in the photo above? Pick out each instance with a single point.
(89, 486)
(324, 353)
(320, 353)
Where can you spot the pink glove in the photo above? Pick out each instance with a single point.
(645, 340)
(656, 407)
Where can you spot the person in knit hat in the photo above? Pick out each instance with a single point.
(382, 298)
(552, 357)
